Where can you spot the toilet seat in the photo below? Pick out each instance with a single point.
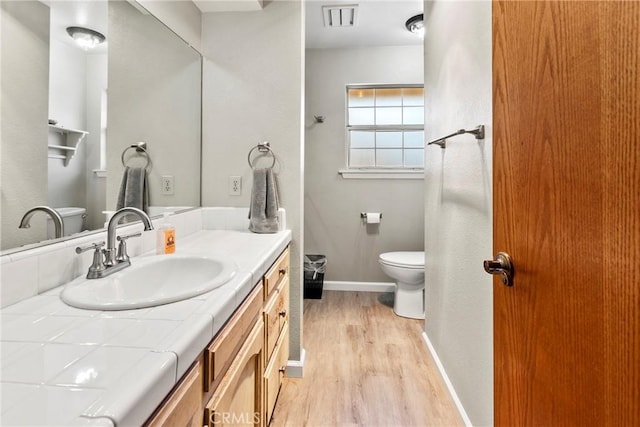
(406, 259)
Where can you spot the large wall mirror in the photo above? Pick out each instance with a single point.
(69, 113)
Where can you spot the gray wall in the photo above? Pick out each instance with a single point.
(253, 91)
(25, 85)
(458, 201)
(332, 223)
(148, 60)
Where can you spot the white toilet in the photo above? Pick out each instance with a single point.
(407, 269)
(72, 218)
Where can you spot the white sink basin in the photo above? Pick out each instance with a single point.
(150, 281)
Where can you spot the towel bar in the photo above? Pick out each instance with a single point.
(140, 147)
(442, 142)
(263, 147)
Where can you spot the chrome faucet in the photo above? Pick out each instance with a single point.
(55, 217)
(110, 250)
(105, 261)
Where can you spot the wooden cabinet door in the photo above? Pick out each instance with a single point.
(183, 407)
(238, 399)
(274, 373)
(271, 325)
(566, 139)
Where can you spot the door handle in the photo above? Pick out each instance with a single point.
(503, 266)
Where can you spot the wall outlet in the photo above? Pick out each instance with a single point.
(235, 185)
(167, 185)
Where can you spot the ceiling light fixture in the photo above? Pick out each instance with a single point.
(415, 24)
(85, 37)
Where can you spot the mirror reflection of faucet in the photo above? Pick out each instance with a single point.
(55, 217)
(107, 261)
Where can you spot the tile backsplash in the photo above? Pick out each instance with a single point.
(33, 271)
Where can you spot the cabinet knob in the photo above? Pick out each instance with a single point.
(282, 271)
(282, 369)
(282, 313)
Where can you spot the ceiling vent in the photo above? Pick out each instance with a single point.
(344, 15)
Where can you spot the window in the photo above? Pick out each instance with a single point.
(385, 127)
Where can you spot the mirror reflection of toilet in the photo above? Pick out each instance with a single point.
(407, 269)
(72, 218)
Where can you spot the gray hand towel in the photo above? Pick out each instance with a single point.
(263, 212)
(133, 189)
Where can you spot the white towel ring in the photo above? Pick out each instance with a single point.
(263, 147)
(140, 147)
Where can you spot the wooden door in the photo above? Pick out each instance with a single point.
(567, 209)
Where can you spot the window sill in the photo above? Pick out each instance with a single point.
(381, 173)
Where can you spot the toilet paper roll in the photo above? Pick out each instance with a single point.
(373, 217)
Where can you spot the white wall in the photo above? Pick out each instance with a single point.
(77, 79)
(253, 91)
(332, 223)
(154, 82)
(67, 85)
(458, 200)
(25, 85)
(66, 185)
(96, 197)
(182, 16)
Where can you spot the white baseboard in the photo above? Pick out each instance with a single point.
(295, 367)
(445, 377)
(333, 285)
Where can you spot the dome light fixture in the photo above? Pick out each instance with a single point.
(415, 24)
(85, 37)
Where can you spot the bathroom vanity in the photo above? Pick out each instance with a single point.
(213, 359)
(237, 378)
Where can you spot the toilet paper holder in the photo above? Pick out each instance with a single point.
(363, 215)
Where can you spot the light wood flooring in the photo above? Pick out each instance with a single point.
(364, 366)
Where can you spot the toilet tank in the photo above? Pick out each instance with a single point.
(72, 218)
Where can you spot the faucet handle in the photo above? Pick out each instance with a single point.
(123, 238)
(122, 255)
(97, 266)
(94, 246)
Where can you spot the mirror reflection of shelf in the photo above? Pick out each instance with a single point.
(72, 137)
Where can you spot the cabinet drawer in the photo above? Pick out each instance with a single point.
(278, 271)
(276, 314)
(182, 407)
(238, 399)
(282, 306)
(275, 372)
(271, 325)
(224, 347)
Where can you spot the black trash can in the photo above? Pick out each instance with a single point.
(314, 269)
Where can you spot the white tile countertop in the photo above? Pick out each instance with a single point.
(63, 366)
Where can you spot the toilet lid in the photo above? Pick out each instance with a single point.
(411, 259)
